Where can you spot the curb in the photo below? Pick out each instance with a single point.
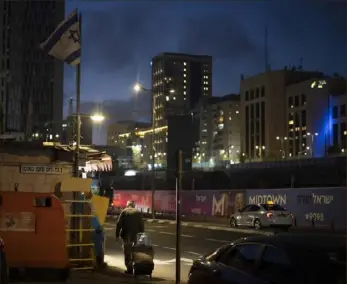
(215, 228)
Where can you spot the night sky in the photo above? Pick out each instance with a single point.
(119, 38)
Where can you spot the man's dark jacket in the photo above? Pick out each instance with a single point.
(129, 224)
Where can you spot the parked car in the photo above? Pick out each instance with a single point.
(3, 264)
(262, 215)
(283, 258)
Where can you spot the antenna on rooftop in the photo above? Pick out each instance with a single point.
(267, 66)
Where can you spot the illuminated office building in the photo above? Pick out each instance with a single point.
(179, 81)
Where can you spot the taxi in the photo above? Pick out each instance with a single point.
(262, 215)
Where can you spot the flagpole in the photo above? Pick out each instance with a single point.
(78, 104)
(75, 207)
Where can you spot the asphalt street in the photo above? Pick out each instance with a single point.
(194, 242)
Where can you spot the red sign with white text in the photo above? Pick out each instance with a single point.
(143, 199)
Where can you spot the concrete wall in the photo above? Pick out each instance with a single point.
(10, 173)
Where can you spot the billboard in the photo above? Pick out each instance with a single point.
(323, 205)
(165, 201)
(143, 199)
(196, 203)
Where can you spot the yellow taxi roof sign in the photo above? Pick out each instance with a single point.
(270, 202)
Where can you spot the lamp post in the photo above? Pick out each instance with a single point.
(313, 135)
(260, 149)
(138, 88)
(283, 151)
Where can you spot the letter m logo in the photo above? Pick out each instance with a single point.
(218, 206)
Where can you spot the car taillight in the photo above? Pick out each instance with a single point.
(269, 215)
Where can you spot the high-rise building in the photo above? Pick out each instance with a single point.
(338, 140)
(31, 81)
(316, 114)
(226, 130)
(219, 131)
(263, 111)
(179, 81)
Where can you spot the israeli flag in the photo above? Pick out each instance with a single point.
(65, 42)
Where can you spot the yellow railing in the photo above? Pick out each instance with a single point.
(78, 258)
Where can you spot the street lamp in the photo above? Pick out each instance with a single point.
(138, 88)
(313, 135)
(97, 117)
(283, 151)
(260, 148)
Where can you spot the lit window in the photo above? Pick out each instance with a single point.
(167, 98)
(184, 69)
(184, 75)
(184, 81)
(184, 92)
(184, 63)
(237, 111)
(184, 87)
(291, 122)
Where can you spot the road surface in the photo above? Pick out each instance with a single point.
(194, 242)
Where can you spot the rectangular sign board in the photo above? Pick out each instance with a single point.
(18, 222)
(34, 169)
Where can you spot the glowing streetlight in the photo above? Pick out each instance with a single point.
(260, 149)
(97, 117)
(312, 141)
(282, 139)
(137, 87)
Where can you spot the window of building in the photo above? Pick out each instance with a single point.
(290, 101)
(246, 96)
(262, 114)
(342, 135)
(257, 93)
(252, 94)
(342, 110)
(303, 99)
(296, 101)
(262, 91)
(303, 118)
(335, 134)
(335, 112)
(296, 119)
(257, 112)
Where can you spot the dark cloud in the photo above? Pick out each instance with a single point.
(117, 38)
(217, 35)
(137, 108)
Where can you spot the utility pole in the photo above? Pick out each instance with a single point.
(153, 156)
(178, 215)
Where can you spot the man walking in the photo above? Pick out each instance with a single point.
(130, 223)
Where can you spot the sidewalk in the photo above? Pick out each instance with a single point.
(111, 275)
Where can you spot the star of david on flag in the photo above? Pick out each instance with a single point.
(65, 42)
